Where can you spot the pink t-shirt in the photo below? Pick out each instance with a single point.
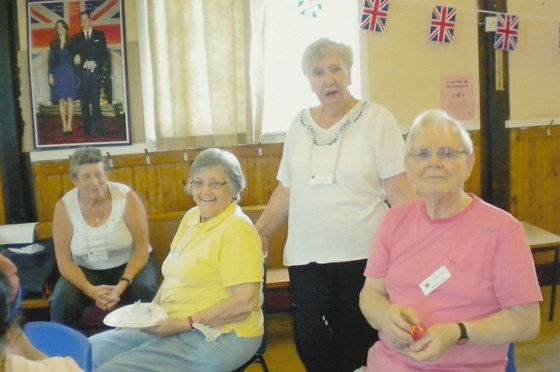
(485, 250)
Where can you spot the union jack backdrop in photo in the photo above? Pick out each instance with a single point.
(105, 16)
(310, 8)
(442, 25)
(374, 15)
(507, 32)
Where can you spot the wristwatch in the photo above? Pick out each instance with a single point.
(464, 337)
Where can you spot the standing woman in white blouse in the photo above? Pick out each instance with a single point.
(100, 232)
(343, 162)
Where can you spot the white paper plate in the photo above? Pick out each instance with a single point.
(125, 317)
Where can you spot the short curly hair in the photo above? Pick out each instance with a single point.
(439, 117)
(321, 48)
(86, 155)
(214, 157)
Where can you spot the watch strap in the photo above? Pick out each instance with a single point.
(463, 337)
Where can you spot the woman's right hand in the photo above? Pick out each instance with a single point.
(396, 324)
(51, 79)
(103, 297)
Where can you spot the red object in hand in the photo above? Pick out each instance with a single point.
(417, 331)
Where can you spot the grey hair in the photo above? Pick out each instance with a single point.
(86, 155)
(321, 48)
(438, 117)
(214, 157)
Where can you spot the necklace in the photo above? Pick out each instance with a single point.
(102, 215)
(90, 214)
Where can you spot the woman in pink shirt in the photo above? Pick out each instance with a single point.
(450, 281)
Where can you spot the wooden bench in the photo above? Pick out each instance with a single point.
(162, 228)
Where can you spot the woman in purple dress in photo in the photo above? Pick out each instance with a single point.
(61, 74)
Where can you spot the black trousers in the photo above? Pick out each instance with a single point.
(331, 332)
(90, 95)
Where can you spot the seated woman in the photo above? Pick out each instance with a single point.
(100, 232)
(17, 342)
(450, 281)
(212, 277)
(10, 362)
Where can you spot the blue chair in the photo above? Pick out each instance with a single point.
(56, 339)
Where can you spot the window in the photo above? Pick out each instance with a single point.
(287, 34)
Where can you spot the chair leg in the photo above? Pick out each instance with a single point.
(262, 362)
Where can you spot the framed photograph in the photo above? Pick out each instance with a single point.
(77, 69)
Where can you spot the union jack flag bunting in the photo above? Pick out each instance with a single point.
(442, 26)
(374, 15)
(105, 16)
(507, 32)
(310, 8)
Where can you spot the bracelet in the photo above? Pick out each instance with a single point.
(128, 281)
(191, 322)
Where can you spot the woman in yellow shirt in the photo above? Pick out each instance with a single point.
(212, 285)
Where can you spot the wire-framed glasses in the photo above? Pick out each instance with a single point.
(443, 153)
(212, 184)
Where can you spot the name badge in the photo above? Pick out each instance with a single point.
(98, 255)
(321, 179)
(432, 282)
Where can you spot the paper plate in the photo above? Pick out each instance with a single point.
(137, 315)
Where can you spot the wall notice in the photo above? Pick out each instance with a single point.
(458, 96)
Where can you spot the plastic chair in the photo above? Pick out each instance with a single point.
(259, 355)
(511, 359)
(257, 358)
(56, 339)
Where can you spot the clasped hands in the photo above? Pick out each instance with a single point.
(396, 325)
(88, 64)
(106, 297)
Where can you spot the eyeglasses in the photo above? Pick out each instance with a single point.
(212, 185)
(443, 153)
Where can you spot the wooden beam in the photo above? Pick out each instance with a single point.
(494, 106)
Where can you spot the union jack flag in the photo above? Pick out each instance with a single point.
(310, 7)
(442, 26)
(105, 16)
(374, 15)
(507, 32)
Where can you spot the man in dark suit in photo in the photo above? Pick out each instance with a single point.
(91, 51)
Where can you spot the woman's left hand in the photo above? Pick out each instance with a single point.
(433, 345)
(169, 327)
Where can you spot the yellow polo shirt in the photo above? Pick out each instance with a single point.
(206, 259)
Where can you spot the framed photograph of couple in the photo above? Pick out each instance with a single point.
(78, 75)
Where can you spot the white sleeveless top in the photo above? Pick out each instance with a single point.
(102, 247)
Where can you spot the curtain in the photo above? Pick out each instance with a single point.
(201, 62)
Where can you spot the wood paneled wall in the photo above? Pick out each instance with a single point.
(535, 177)
(160, 178)
(474, 183)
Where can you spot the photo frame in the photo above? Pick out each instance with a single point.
(78, 74)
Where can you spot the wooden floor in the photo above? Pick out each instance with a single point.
(539, 355)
